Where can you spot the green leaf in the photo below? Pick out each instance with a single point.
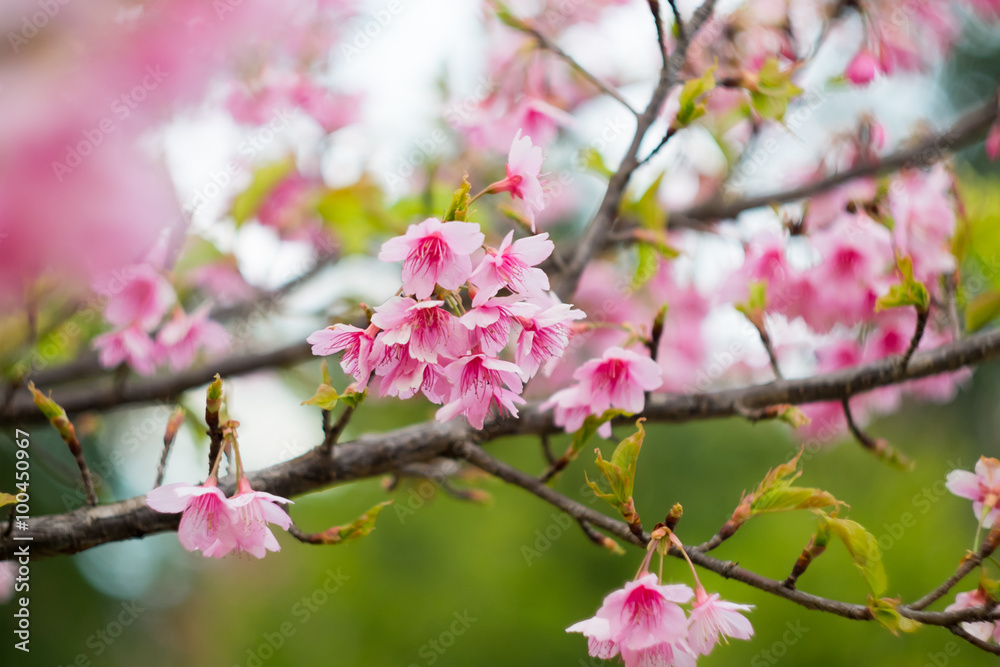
(213, 396)
(264, 180)
(620, 474)
(773, 90)
(787, 498)
(354, 213)
(590, 158)
(198, 251)
(647, 208)
(326, 398)
(863, 548)
(884, 611)
(459, 208)
(690, 108)
(357, 529)
(647, 266)
(586, 432)
(756, 304)
(54, 413)
(907, 293)
(982, 310)
(793, 416)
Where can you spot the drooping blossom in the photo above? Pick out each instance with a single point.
(425, 328)
(524, 164)
(713, 619)
(434, 252)
(643, 622)
(206, 520)
(970, 600)
(480, 382)
(250, 512)
(617, 380)
(512, 266)
(490, 322)
(981, 487)
(184, 335)
(544, 336)
(131, 345)
(356, 344)
(144, 299)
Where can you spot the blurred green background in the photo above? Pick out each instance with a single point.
(445, 582)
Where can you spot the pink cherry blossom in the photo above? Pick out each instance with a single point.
(357, 345)
(924, 215)
(524, 163)
(862, 68)
(250, 512)
(713, 619)
(982, 487)
(643, 622)
(617, 380)
(206, 519)
(970, 600)
(544, 336)
(424, 328)
(434, 252)
(856, 254)
(511, 266)
(144, 299)
(490, 322)
(223, 280)
(131, 345)
(571, 410)
(184, 335)
(480, 382)
(403, 376)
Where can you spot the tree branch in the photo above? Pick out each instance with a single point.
(376, 454)
(105, 395)
(604, 220)
(965, 131)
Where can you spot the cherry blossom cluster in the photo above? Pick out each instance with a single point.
(433, 346)
(425, 341)
(138, 308)
(644, 624)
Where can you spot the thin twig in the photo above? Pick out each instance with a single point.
(677, 19)
(959, 631)
(547, 44)
(765, 338)
(602, 223)
(333, 434)
(918, 333)
(169, 434)
(547, 449)
(970, 563)
(880, 447)
(661, 33)
(936, 147)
